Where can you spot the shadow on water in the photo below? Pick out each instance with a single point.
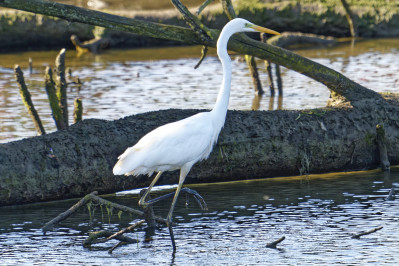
(317, 214)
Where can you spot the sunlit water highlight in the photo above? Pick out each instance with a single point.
(118, 83)
(317, 215)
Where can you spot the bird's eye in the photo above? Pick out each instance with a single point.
(248, 25)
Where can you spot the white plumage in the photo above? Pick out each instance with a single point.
(181, 144)
(169, 147)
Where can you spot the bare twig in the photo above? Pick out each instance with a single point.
(203, 54)
(203, 6)
(274, 243)
(48, 226)
(118, 234)
(367, 232)
(115, 246)
(26, 99)
(93, 236)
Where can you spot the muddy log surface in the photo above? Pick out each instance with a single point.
(253, 144)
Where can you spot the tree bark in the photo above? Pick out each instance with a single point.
(79, 160)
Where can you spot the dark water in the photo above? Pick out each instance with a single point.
(317, 214)
(118, 83)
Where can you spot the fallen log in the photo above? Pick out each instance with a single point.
(75, 161)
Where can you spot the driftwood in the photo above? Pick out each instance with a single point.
(367, 232)
(93, 197)
(275, 243)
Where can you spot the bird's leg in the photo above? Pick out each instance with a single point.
(142, 202)
(183, 173)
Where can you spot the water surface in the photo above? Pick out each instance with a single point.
(118, 83)
(317, 214)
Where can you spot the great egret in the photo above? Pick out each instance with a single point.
(179, 145)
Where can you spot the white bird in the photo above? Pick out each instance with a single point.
(179, 145)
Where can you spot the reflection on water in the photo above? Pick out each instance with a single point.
(118, 83)
(317, 215)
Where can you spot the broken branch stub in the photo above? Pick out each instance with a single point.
(27, 100)
(62, 85)
(53, 100)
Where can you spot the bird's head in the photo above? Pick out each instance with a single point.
(242, 25)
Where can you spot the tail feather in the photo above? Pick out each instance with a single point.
(125, 163)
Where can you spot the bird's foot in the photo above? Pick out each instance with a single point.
(200, 200)
(169, 223)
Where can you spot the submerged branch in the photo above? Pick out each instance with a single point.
(367, 232)
(274, 243)
(93, 197)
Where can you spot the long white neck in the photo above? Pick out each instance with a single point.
(220, 109)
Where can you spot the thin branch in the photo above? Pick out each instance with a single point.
(49, 225)
(93, 236)
(274, 243)
(367, 232)
(203, 55)
(203, 6)
(121, 232)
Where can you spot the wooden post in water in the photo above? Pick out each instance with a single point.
(62, 85)
(77, 110)
(268, 68)
(279, 81)
(53, 100)
(148, 211)
(26, 98)
(254, 74)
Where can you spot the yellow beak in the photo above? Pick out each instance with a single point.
(265, 30)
